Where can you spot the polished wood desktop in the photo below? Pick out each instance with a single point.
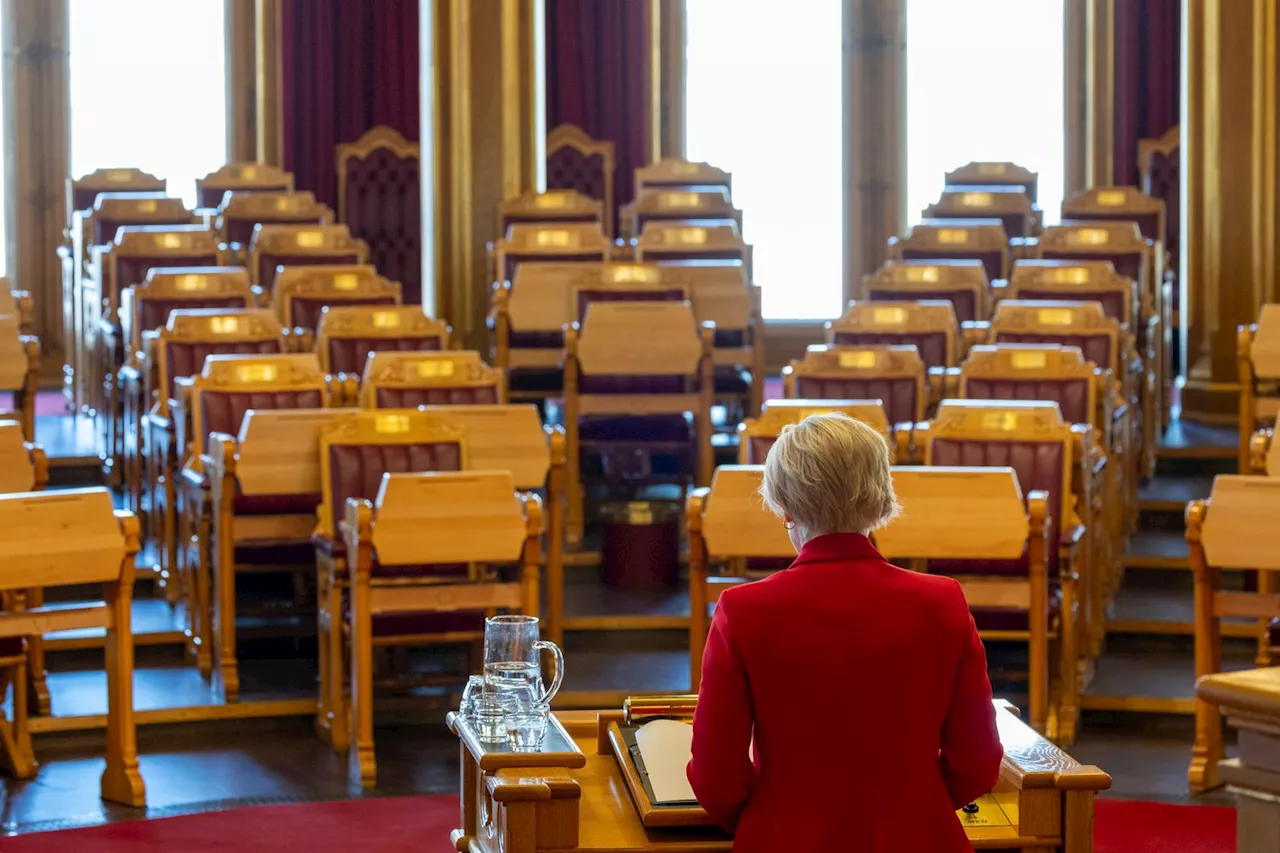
(576, 795)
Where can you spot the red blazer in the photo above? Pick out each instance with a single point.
(866, 689)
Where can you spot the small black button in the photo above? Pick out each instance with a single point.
(972, 808)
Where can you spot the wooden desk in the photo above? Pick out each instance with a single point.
(574, 796)
(1251, 702)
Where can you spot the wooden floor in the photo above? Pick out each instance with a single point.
(1135, 725)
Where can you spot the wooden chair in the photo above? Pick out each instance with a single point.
(673, 173)
(929, 325)
(1258, 360)
(145, 308)
(226, 388)
(554, 207)
(125, 264)
(17, 303)
(577, 162)
(756, 436)
(179, 351)
(632, 370)
(69, 538)
(963, 283)
(564, 242)
(1009, 204)
(275, 246)
(982, 240)
(671, 240)
(1160, 167)
(700, 205)
(1047, 455)
(111, 211)
(894, 375)
(24, 467)
(995, 174)
(1234, 529)
(355, 453)
(405, 545)
(19, 374)
(349, 334)
(1124, 204)
(211, 190)
(380, 200)
(301, 294)
(82, 192)
(1084, 395)
(242, 211)
(406, 380)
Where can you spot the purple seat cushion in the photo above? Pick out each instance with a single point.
(305, 311)
(223, 411)
(275, 504)
(268, 261)
(635, 428)
(153, 313)
(628, 384)
(187, 359)
(348, 355)
(1096, 348)
(1071, 395)
(240, 230)
(758, 447)
(536, 340)
(931, 345)
(962, 300)
(412, 398)
(898, 394)
(1008, 619)
(383, 207)
(993, 262)
(1113, 302)
(570, 169)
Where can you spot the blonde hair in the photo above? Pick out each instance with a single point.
(830, 473)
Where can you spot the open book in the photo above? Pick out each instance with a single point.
(665, 747)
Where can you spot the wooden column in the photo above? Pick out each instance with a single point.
(37, 114)
(482, 62)
(874, 132)
(1229, 207)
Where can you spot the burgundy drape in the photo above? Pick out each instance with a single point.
(346, 66)
(1148, 55)
(598, 77)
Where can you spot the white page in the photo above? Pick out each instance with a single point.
(666, 747)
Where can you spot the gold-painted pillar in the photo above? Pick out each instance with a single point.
(874, 132)
(1100, 82)
(1230, 222)
(669, 33)
(267, 95)
(37, 114)
(242, 73)
(483, 64)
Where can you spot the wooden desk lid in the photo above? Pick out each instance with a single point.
(639, 338)
(956, 513)
(448, 517)
(1240, 529)
(16, 473)
(735, 521)
(503, 438)
(538, 300)
(1252, 690)
(1265, 352)
(775, 414)
(59, 538)
(278, 450)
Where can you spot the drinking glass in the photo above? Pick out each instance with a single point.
(512, 655)
(527, 728)
(489, 714)
(475, 686)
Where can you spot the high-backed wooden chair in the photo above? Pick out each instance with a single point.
(1125, 204)
(699, 205)
(553, 207)
(355, 453)
(180, 349)
(1258, 359)
(24, 467)
(380, 200)
(349, 334)
(245, 178)
(1234, 529)
(406, 380)
(894, 375)
(226, 388)
(673, 173)
(929, 325)
(1084, 394)
(976, 514)
(577, 162)
(940, 239)
(69, 538)
(301, 293)
(632, 372)
(275, 246)
(17, 303)
(1080, 281)
(995, 174)
(1009, 204)
(19, 372)
(240, 212)
(756, 436)
(671, 240)
(1033, 439)
(82, 192)
(112, 211)
(145, 308)
(565, 242)
(963, 283)
(404, 545)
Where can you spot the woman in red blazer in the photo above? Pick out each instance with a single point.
(863, 685)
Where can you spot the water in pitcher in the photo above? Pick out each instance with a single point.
(510, 673)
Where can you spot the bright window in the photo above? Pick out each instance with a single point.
(763, 96)
(984, 83)
(148, 88)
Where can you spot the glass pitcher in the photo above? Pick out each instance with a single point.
(512, 654)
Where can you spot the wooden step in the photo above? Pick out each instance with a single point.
(1155, 674)
(1164, 611)
(1158, 549)
(1172, 493)
(1190, 440)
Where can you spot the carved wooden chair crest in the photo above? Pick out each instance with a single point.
(894, 375)
(1009, 204)
(406, 380)
(349, 334)
(240, 212)
(275, 246)
(963, 283)
(980, 239)
(576, 161)
(930, 325)
(241, 178)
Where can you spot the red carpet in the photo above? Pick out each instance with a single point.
(423, 824)
(1126, 826)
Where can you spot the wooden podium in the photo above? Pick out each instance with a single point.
(579, 795)
(1251, 702)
